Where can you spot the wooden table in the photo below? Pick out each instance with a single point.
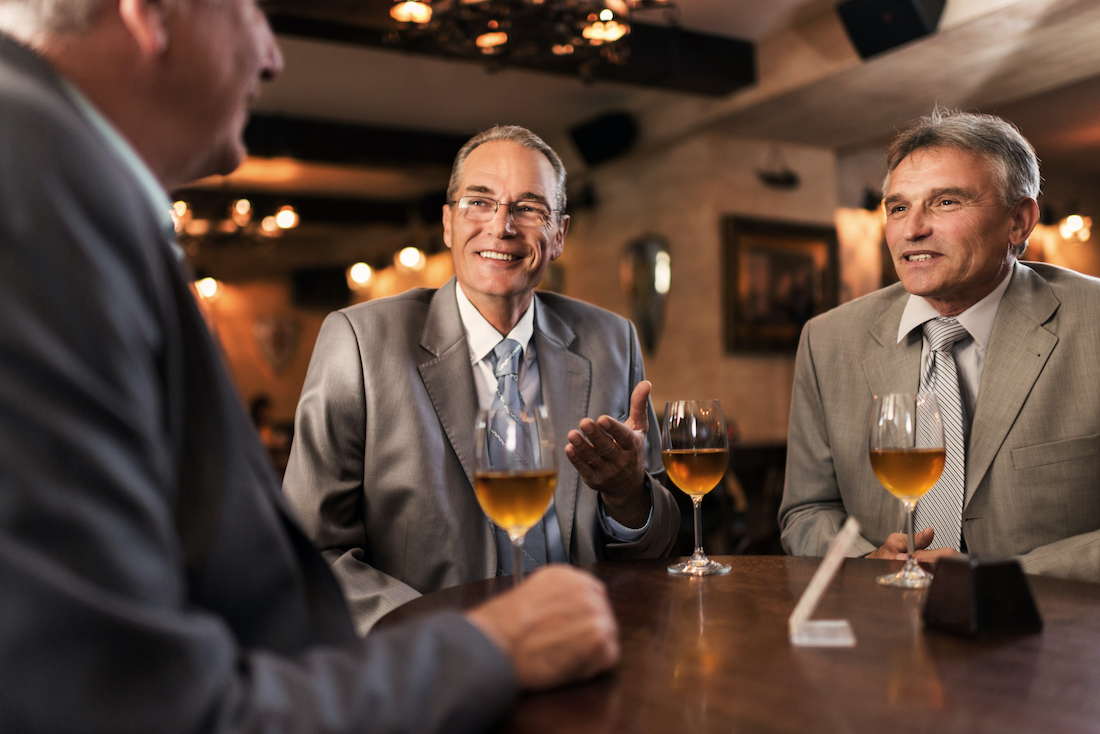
(703, 655)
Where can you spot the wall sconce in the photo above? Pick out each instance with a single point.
(646, 273)
(777, 174)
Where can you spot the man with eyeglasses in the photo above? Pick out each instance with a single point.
(381, 467)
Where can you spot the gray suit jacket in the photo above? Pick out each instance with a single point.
(151, 577)
(1033, 453)
(381, 470)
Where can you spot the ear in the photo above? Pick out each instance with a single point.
(558, 245)
(147, 23)
(447, 225)
(1025, 215)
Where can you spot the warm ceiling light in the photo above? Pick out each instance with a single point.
(286, 218)
(606, 14)
(359, 275)
(241, 212)
(608, 32)
(180, 208)
(562, 49)
(269, 225)
(411, 11)
(411, 258)
(491, 40)
(1076, 227)
(207, 287)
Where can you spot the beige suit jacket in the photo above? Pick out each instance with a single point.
(1033, 453)
(381, 470)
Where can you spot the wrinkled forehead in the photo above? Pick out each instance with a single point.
(506, 168)
(940, 167)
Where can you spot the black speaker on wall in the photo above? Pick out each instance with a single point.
(320, 289)
(880, 25)
(606, 137)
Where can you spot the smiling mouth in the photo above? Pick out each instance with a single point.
(918, 258)
(498, 255)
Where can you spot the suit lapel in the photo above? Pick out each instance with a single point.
(566, 380)
(448, 377)
(1019, 347)
(895, 367)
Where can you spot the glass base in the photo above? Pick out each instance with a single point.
(911, 576)
(699, 565)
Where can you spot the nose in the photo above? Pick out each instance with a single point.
(503, 223)
(918, 224)
(271, 59)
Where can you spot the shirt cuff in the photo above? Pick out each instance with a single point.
(617, 531)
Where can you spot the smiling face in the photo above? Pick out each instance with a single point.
(497, 262)
(949, 235)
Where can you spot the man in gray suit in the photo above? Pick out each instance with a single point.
(151, 576)
(381, 470)
(960, 205)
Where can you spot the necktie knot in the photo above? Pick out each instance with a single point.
(943, 332)
(506, 357)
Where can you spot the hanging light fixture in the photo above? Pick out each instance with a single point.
(524, 30)
(411, 11)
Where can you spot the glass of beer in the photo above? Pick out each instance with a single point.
(695, 452)
(515, 472)
(907, 456)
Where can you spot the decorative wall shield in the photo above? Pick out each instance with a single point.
(276, 339)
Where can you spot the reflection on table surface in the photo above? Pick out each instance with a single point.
(711, 654)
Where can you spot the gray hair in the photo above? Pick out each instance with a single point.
(28, 19)
(514, 134)
(1015, 165)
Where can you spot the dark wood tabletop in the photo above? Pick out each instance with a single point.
(712, 655)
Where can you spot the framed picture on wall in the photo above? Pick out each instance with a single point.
(776, 277)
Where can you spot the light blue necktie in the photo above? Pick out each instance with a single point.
(941, 507)
(506, 357)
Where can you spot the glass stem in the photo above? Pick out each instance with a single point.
(517, 559)
(909, 507)
(697, 510)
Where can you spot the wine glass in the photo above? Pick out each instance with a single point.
(515, 472)
(907, 455)
(695, 451)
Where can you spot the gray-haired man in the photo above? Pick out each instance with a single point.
(1022, 480)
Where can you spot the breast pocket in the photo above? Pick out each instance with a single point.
(1056, 452)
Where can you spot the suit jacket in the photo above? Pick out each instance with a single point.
(1033, 452)
(151, 576)
(381, 470)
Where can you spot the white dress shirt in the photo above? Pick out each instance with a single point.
(482, 338)
(969, 352)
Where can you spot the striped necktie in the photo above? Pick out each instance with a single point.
(941, 507)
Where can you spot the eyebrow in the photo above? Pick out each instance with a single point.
(934, 194)
(525, 196)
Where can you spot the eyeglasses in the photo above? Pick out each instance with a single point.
(524, 213)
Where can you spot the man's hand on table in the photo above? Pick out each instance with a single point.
(556, 627)
(610, 457)
(896, 548)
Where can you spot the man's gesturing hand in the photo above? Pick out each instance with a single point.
(610, 457)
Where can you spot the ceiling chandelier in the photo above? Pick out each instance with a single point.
(523, 29)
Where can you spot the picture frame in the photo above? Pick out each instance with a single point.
(776, 276)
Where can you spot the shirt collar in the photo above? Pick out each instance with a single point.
(154, 192)
(482, 337)
(978, 319)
